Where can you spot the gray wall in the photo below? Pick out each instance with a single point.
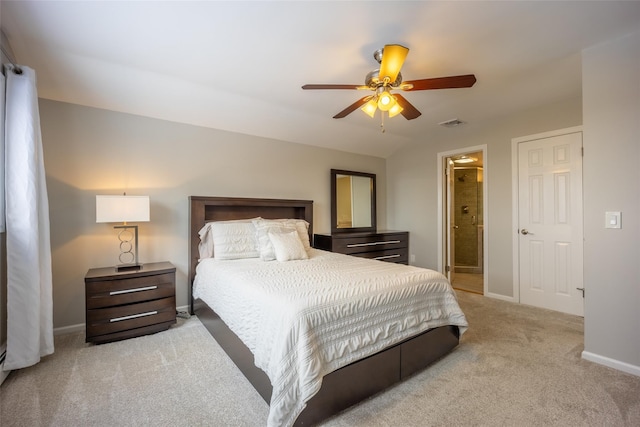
(90, 151)
(611, 93)
(413, 191)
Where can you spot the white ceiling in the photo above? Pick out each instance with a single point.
(239, 66)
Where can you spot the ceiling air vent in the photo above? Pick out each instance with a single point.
(451, 123)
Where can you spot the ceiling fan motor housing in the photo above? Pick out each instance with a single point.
(373, 81)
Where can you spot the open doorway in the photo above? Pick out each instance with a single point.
(463, 211)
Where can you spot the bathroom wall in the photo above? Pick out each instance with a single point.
(468, 219)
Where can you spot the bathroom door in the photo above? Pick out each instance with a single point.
(451, 227)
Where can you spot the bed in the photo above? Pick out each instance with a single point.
(340, 388)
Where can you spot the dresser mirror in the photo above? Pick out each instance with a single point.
(353, 201)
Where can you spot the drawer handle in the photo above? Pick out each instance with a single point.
(387, 256)
(386, 242)
(133, 316)
(128, 291)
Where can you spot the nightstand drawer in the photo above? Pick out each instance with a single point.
(108, 293)
(114, 319)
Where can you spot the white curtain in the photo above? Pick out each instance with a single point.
(29, 281)
(2, 104)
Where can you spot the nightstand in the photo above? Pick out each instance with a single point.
(128, 304)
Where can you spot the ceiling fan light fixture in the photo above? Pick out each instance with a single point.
(386, 101)
(395, 110)
(371, 107)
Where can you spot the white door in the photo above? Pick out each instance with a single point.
(550, 238)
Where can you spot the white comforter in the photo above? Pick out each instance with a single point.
(305, 319)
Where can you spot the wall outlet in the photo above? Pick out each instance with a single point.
(412, 259)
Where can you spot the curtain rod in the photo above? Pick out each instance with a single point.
(8, 52)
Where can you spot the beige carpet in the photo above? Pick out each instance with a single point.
(516, 366)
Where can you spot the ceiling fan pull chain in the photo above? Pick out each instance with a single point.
(382, 121)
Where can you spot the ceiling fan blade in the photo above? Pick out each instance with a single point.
(329, 86)
(393, 56)
(450, 82)
(409, 111)
(351, 108)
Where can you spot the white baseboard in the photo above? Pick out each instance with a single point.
(69, 329)
(500, 297)
(612, 363)
(81, 326)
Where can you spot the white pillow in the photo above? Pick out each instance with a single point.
(233, 241)
(205, 247)
(263, 227)
(302, 227)
(288, 246)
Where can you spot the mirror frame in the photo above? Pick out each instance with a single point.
(334, 207)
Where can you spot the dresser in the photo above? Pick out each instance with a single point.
(391, 246)
(128, 304)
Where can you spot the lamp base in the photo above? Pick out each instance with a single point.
(128, 267)
(128, 257)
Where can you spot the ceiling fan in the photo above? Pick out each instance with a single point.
(388, 78)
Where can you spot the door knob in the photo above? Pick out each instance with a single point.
(525, 231)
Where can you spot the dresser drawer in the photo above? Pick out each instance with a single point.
(115, 319)
(373, 243)
(107, 293)
(400, 255)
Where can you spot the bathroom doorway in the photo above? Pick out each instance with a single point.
(464, 231)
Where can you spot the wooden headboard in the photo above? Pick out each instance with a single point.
(207, 209)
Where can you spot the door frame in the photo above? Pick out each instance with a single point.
(515, 213)
(442, 209)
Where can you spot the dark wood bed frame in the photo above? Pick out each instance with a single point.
(342, 388)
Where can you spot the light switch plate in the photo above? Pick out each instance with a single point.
(613, 220)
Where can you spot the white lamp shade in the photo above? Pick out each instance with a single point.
(370, 107)
(122, 208)
(395, 110)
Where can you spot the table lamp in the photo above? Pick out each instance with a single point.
(124, 209)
